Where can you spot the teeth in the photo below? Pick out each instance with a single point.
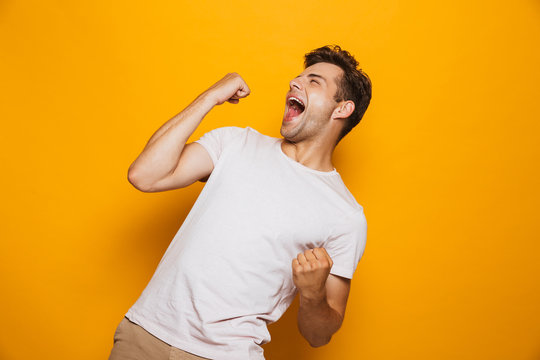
(297, 100)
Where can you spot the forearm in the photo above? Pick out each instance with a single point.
(317, 321)
(161, 154)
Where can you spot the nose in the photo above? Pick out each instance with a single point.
(296, 83)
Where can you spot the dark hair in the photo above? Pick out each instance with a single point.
(354, 85)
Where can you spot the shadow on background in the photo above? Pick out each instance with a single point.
(287, 343)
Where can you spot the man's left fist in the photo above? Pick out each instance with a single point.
(310, 271)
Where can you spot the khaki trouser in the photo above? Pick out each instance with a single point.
(132, 342)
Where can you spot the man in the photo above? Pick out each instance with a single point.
(274, 219)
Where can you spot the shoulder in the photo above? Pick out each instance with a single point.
(222, 136)
(255, 137)
(239, 131)
(233, 137)
(256, 133)
(355, 221)
(229, 130)
(349, 203)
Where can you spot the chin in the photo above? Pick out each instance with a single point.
(290, 136)
(284, 133)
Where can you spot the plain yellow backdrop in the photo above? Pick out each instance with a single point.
(445, 163)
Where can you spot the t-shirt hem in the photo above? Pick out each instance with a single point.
(341, 271)
(185, 346)
(209, 150)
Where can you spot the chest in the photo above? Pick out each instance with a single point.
(275, 203)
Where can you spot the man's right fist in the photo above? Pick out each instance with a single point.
(230, 88)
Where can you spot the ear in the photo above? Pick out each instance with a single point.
(343, 110)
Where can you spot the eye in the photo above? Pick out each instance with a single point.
(314, 81)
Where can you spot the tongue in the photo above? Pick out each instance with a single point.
(292, 112)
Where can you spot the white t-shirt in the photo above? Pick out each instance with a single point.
(228, 271)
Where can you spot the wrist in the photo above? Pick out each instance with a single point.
(313, 297)
(208, 99)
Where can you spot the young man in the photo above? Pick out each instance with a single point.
(274, 219)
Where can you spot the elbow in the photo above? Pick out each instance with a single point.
(135, 181)
(315, 343)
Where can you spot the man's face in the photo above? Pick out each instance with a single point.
(315, 87)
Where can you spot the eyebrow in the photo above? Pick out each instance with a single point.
(315, 75)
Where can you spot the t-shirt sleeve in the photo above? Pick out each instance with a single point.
(346, 245)
(215, 141)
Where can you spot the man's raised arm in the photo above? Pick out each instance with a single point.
(166, 162)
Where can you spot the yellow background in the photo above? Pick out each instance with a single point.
(445, 163)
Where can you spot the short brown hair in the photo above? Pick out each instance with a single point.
(354, 85)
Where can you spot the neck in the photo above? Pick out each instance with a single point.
(311, 153)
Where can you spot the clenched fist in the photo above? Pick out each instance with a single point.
(230, 88)
(310, 271)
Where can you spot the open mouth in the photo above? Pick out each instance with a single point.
(295, 107)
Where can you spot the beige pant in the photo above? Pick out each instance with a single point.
(132, 342)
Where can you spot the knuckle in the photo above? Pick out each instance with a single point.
(324, 263)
